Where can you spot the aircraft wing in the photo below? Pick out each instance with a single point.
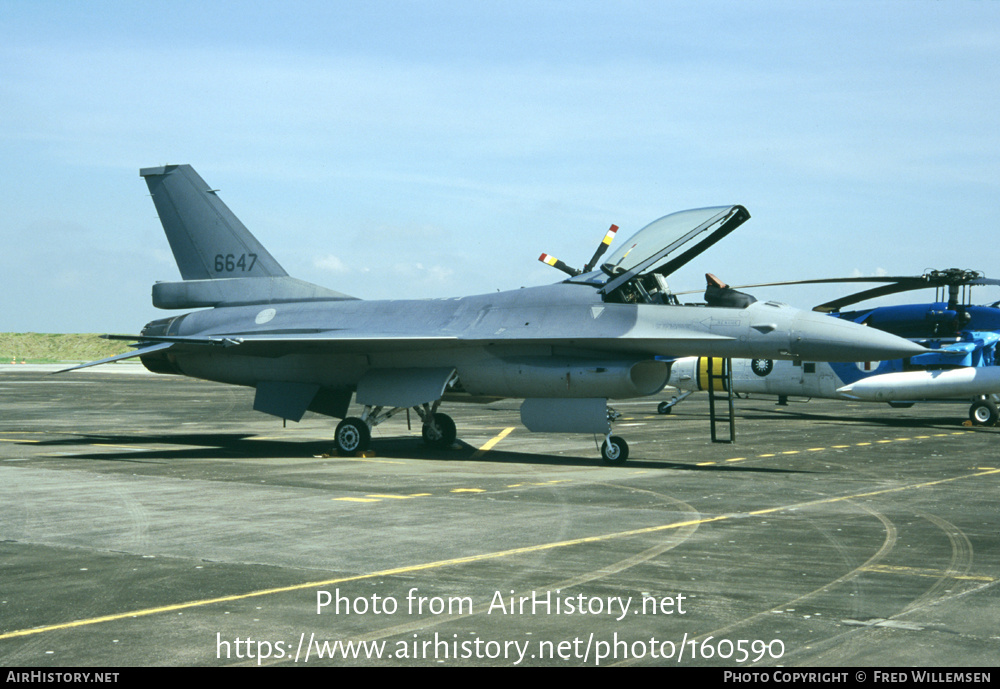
(275, 345)
(288, 343)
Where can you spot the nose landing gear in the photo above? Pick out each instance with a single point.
(614, 451)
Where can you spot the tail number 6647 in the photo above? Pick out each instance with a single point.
(230, 263)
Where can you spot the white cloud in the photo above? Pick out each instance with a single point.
(330, 263)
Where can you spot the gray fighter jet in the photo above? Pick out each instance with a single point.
(565, 348)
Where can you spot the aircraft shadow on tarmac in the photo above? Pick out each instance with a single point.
(854, 419)
(236, 446)
(871, 416)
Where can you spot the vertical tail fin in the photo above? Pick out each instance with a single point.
(208, 241)
(221, 262)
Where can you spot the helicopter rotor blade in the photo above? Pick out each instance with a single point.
(865, 295)
(952, 277)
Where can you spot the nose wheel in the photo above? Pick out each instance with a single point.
(614, 451)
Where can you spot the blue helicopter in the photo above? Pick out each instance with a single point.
(961, 362)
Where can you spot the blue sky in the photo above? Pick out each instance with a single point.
(433, 149)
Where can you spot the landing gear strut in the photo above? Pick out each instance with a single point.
(614, 450)
(667, 406)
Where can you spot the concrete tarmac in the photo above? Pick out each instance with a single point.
(154, 520)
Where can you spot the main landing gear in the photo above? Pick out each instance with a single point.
(354, 434)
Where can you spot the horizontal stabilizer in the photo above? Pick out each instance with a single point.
(121, 357)
(195, 294)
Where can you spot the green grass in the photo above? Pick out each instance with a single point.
(45, 348)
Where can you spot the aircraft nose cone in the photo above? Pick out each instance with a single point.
(824, 338)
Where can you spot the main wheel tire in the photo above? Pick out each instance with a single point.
(614, 451)
(440, 434)
(983, 413)
(352, 436)
(665, 407)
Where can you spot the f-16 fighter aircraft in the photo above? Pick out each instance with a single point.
(565, 348)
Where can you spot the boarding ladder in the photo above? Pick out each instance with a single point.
(719, 375)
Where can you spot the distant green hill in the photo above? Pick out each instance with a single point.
(42, 348)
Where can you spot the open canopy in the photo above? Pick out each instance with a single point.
(656, 249)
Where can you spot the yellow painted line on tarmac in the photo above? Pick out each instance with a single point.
(832, 447)
(379, 497)
(482, 557)
(18, 440)
(492, 442)
(468, 490)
